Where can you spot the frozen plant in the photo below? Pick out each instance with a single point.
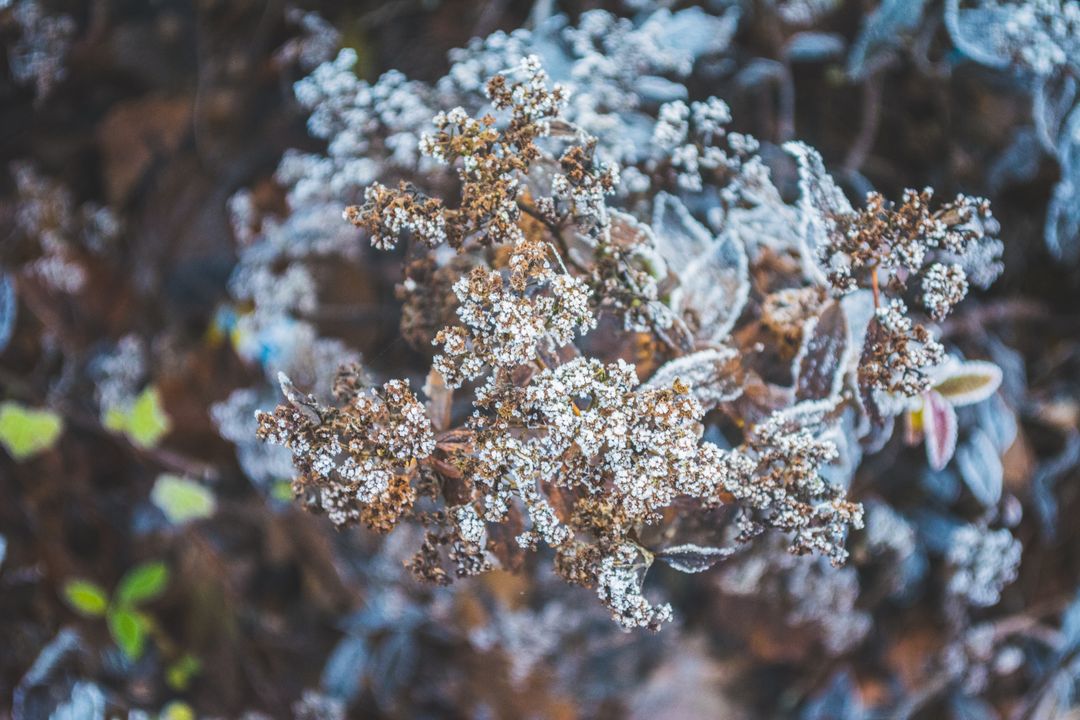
(525, 223)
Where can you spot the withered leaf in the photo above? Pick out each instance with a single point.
(819, 366)
(440, 401)
(874, 336)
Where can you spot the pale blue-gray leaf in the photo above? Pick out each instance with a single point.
(977, 33)
(980, 468)
(690, 558)
(1063, 215)
(881, 33)
(86, 702)
(346, 668)
(814, 47)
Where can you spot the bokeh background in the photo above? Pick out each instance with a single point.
(152, 563)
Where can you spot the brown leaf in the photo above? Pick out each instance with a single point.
(819, 364)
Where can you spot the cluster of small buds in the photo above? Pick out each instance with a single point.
(584, 184)
(490, 164)
(1041, 35)
(351, 455)
(689, 137)
(899, 356)
(943, 287)
(458, 135)
(672, 125)
(884, 247)
(645, 441)
(502, 326)
(619, 585)
(386, 214)
(787, 492)
(560, 448)
(899, 241)
(982, 562)
(458, 530)
(532, 100)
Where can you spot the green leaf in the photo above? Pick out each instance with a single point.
(182, 499)
(128, 630)
(86, 598)
(142, 583)
(177, 710)
(25, 432)
(144, 422)
(180, 673)
(282, 490)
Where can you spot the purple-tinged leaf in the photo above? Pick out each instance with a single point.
(939, 424)
(867, 400)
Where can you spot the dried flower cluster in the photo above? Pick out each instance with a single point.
(356, 460)
(884, 248)
(571, 450)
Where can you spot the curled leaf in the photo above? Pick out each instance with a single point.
(968, 382)
(977, 32)
(1062, 231)
(820, 202)
(939, 426)
(692, 558)
(881, 34)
